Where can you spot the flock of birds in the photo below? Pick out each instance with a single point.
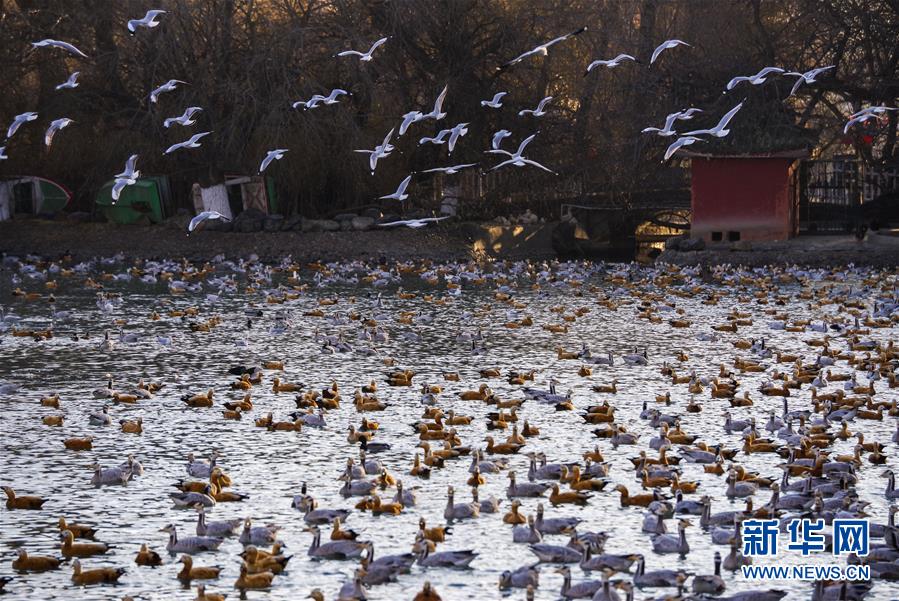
(450, 136)
(803, 400)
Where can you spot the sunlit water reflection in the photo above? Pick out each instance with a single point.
(269, 466)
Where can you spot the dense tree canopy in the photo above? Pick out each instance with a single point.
(247, 60)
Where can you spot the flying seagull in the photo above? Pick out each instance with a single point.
(678, 144)
(168, 86)
(611, 63)
(452, 170)
(437, 114)
(541, 49)
(517, 153)
(414, 223)
(186, 119)
(666, 130)
(71, 83)
(687, 114)
(126, 178)
(757, 79)
(130, 172)
(408, 119)
(332, 97)
(308, 104)
(865, 114)
(516, 158)
(498, 138)
(400, 193)
(719, 130)
(55, 126)
(381, 151)
(149, 20)
(202, 217)
(438, 139)
(193, 142)
(496, 102)
(363, 56)
(456, 132)
(666, 45)
(272, 155)
(58, 44)
(808, 77)
(17, 122)
(538, 112)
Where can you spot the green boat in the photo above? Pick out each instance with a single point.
(148, 197)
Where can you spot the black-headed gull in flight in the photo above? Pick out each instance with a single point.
(438, 139)
(610, 63)
(437, 113)
(757, 79)
(400, 193)
(719, 131)
(18, 121)
(408, 119)
(537, 112)
(168, 86)
(498, 138)
(308, 104)
(186, 119)
(272, 155)
(451, 170)
(71, 83)
(516, 158)
(678, 144)
(669, 122)
(332, 97)
(130, 172)
(666, 45)
(148, 20)
(58, 44)
(55, 126)
(192, 142)
(865, 114)
(517, 153)
(808, 77)
(202, 218)
(496, 102)
(665, 130)
(381, 151)
(126, 178)
(456, 132)
(542, 49)
(414, 223)
(363, 56)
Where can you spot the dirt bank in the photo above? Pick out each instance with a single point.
(85, 240)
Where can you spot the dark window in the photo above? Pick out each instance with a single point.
(716, 236)
(733, 236)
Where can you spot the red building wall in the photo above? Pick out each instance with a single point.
(751, 196)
